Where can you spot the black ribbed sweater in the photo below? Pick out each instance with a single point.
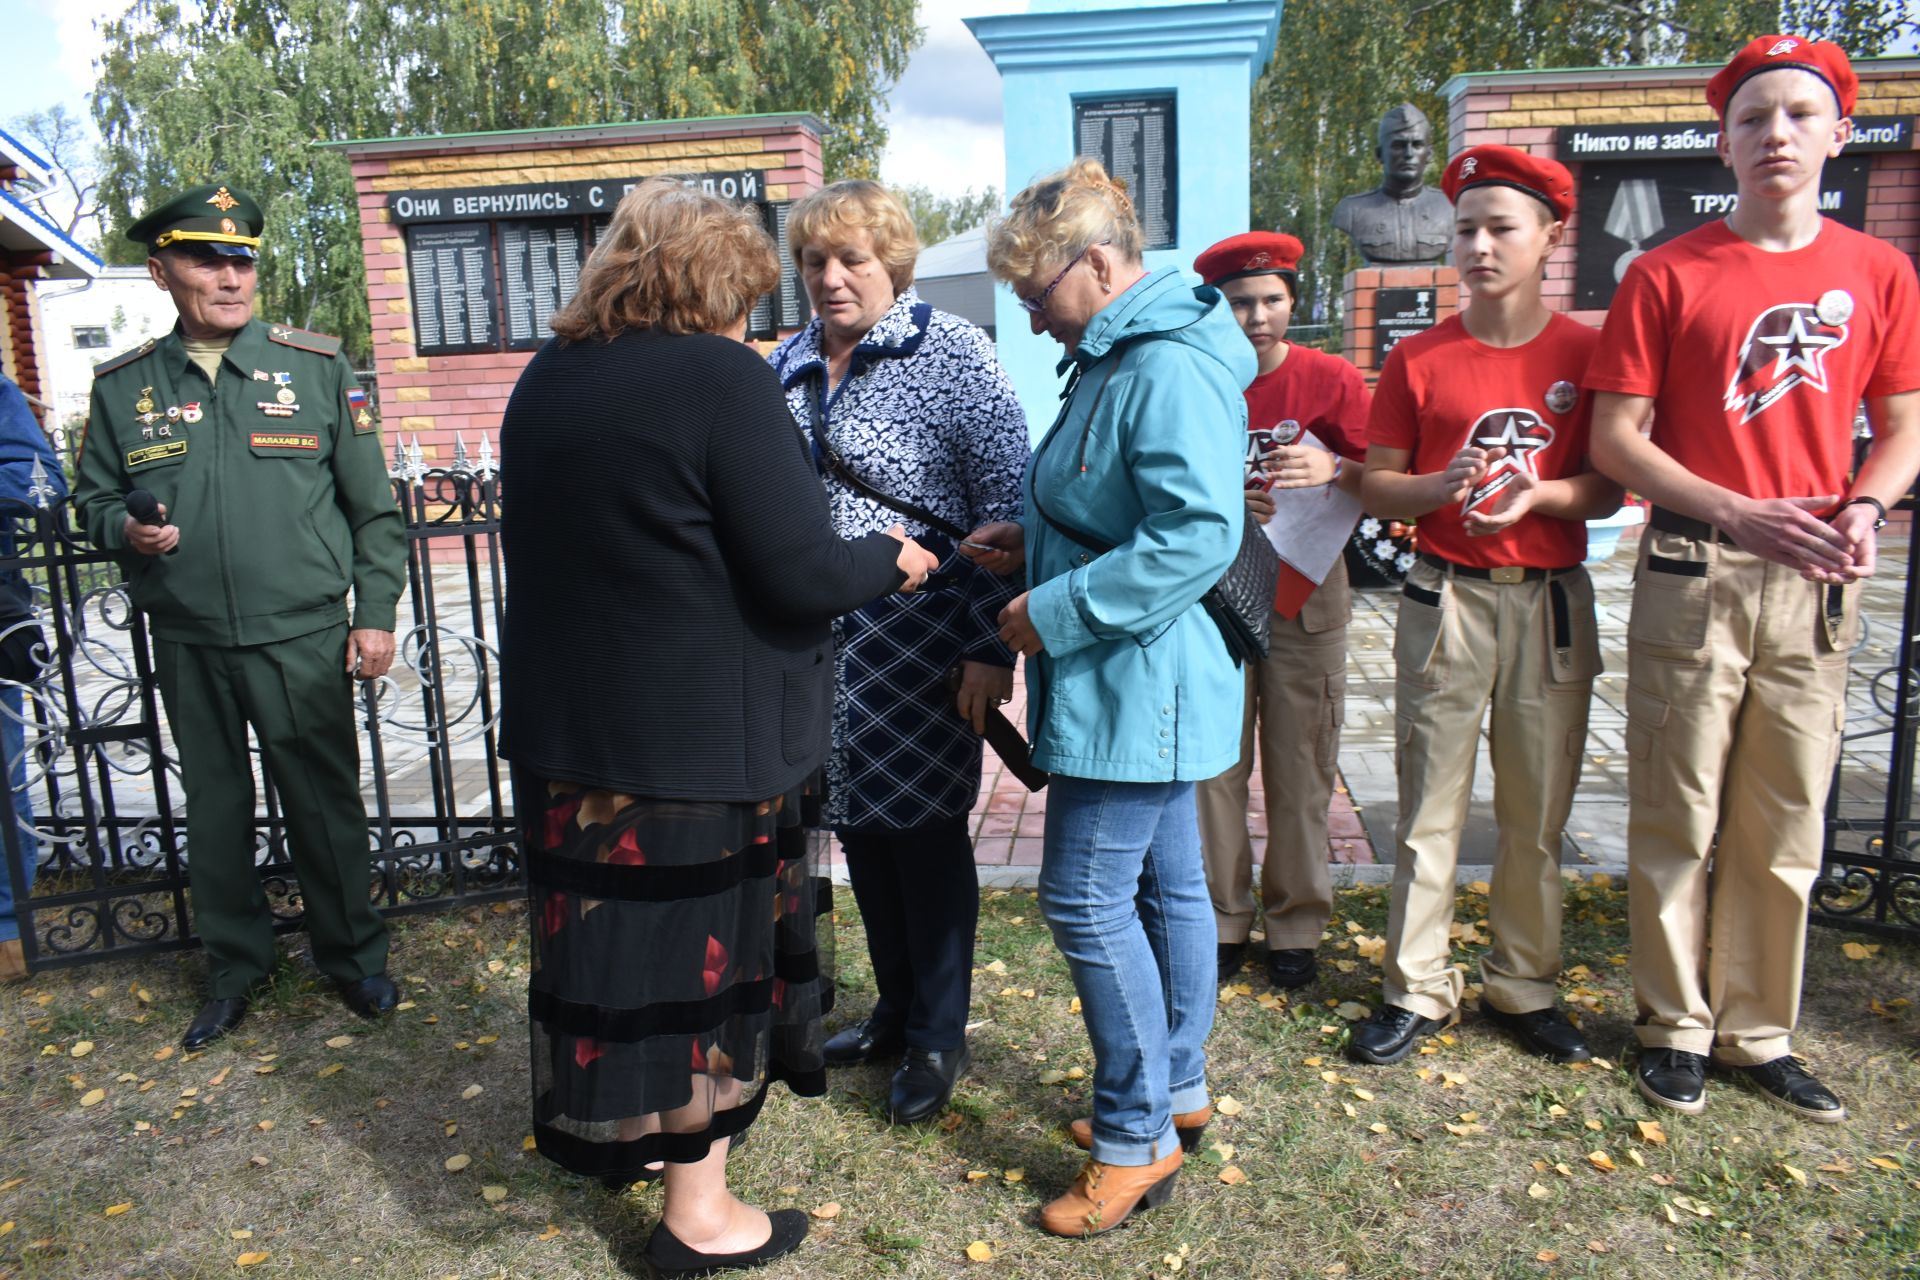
(671, 572)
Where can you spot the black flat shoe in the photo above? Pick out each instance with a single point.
(1785, 1083)
(924, 1082)
(863, 1041)
(1230, 957)
(666, 1256)
(1291, 968)
(370, 997)
(215, 1019)
(1674, 1079)
(1391, 1033)
(1547, 1032)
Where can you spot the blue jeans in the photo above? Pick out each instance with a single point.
(12, 751)
(1124, 890)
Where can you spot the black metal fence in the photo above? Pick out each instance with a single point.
(97, 792)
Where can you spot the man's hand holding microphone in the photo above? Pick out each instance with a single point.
(146, 528)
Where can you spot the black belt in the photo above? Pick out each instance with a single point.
(1687, 527)
(1503, 573)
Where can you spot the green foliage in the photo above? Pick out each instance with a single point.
(938, 217)
(241, 92)
(1341, 64)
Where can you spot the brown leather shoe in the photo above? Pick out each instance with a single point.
(1187, 1127)
(13, 961)
(1106, 1195)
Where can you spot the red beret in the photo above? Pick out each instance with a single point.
(1771, 53)
(1493, 165)
(1257, 253)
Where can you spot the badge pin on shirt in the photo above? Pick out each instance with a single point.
(1286, 432)
(145, 403)
(1562, 396)
(1835, 307)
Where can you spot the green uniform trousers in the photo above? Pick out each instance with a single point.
(299, 699)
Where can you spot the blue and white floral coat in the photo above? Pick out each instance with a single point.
(925, 414)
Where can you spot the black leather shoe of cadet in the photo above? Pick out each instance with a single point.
(215, 1019)
(370, 997)
(1785, 1083)
(1291, 968)
(1230, 957)
(1547, 1032)
(863, 1041)
(924, 1082)
(1673, 1078)
(1391, 1034)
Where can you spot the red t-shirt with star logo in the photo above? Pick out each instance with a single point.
(1311, 391)
(1445, 389)
(1756, 362)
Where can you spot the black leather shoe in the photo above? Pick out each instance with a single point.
(1546, 1032)
(1291, 968)
(215, 1019)
(864, 1041)
(667, 1256)
(1673, 1078)
(1230, 957)
(370, 997)
(1785, 1083)
(1391, 1033)
(924, 1082)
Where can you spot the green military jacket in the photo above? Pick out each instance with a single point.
(274, 475)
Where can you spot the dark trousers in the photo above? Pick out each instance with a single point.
(299, 699)
(920, 898)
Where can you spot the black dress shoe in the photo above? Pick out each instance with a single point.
(924, 1082)
(864, 1041)
(1546, 1032)
(1785, 1083)
(370, 997)
(1229, 957)
(215, 1019)
(1291, 968)
(1390, 1035)
(666, 1256)
(1673, 1078)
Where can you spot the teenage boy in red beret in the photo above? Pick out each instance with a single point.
(1479, 432)
(1751, 341)
(1306, 431)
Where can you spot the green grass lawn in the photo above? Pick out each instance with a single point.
(326, 1140)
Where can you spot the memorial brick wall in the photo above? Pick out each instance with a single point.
(1618, 125)
(472, 240)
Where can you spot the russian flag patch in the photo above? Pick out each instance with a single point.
(356, 398)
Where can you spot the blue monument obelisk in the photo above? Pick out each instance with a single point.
(1157, 90)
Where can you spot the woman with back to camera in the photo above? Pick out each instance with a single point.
(672, 574)
(1134, 509)
(908, 402)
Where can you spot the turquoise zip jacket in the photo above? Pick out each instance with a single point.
(1134, 683)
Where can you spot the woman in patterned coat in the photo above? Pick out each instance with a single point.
(910, 402)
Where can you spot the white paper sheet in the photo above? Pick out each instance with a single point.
(1310, 527)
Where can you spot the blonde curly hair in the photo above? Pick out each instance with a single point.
(1061, 215)
(827, 218)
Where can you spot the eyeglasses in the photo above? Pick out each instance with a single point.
(1038, 306)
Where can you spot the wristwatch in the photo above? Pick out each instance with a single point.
(1879, 507)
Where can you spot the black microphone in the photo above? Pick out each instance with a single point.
(145, 508)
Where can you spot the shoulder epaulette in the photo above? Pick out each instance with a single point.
(301, 339)
(125, 357)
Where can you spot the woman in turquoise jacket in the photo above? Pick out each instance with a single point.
(1133, 509)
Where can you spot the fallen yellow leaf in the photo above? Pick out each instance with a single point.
(1228, 1105)
(831, 1209)
(1881, 1162)
(251, 1259)
(979, 1251)
(1796, 1174)
(265, 1126)
(1232, 1176)
(528, 1143)
(1635, 1157)
(1601, 1160)
(6, 1228)
(331, 1069)
(1857, 950)
(220, 1078)
(455, 1164)
(93, 1096)
(1538, 1192)
(11, 1183)
(1363, 1095)
(81, 1048)
(1480, 887)
(485, 1039)
(339, 1042)
(1599, 1246)
(1650, 1131)
(471, 1092)
(978, 1175)
(551, 1233)
(493, 1194)
(1546, 1255)
(1595, 1125)
(115, 1210)
(163, 1053)
(1015, 1175)
(1352, 1010)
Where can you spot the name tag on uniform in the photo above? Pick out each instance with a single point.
(155, 452)
(271, 440)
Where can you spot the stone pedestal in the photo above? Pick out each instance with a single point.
(1365, 315)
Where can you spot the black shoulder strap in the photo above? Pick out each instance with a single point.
(845, 475)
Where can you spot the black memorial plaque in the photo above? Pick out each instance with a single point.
(540, 264)
(450, 268)
(1626, 209)
(1134, 138)
(1398, 314)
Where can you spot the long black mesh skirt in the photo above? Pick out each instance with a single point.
(677, 970)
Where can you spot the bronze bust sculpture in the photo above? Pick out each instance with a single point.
(1404, 222)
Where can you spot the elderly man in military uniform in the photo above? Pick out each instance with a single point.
(1405, 222)
(260, 496)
